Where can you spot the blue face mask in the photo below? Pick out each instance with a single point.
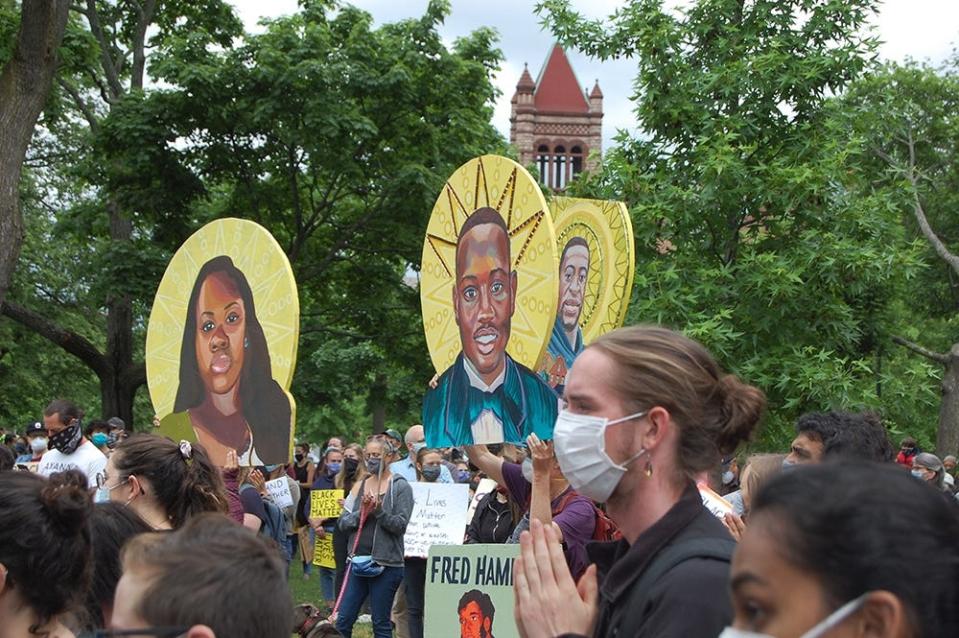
(463, 476)
(100, 439)
(334, 467)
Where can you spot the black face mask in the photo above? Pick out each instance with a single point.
(67, 440)
(298, 457)
(351, 465)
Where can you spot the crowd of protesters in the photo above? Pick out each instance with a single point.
(111, 533)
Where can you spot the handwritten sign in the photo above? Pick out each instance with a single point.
(323, 552)
(485, 486)
(458, 575)
(280, 491)
(325, 503)
(438, 518)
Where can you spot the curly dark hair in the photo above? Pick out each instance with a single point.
(482, 599)
(851, 435)
(45, 544)
(264, 404)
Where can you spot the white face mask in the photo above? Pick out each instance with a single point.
(919, 474)
(728, 477)
(818, 631)
(581, 451)
(38, 444)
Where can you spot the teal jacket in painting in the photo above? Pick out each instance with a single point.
(559, 349)
(523, 403)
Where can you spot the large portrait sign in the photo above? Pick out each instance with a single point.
(470, 587)
(488, 291)
(221, 344)
(596, 267)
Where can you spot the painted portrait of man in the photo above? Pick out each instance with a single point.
(476, 613)
(485, 396)
(566, 341)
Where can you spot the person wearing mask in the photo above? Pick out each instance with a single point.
(98, 434)
(70, 450)
(647, 410)
(816, 558)
(494, 519)
(304, 472)
(547, 498)
(759, 469)
(927, 467)
(352, 471)
(463, 474)
(211, 578)
(45, 555)
(330, 465)
(37, 442)
(907, 451)
(429, 463)
(111, 526)
(406, 467)
(165, 483)
(375, 516)
(824, 436)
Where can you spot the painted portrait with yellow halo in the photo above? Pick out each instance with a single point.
(596, 267)
(488, 293)
(221, 344)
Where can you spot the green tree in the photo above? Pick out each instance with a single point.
(756, 232)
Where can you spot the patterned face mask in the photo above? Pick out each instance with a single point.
(67, 440)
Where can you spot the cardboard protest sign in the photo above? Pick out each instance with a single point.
(221, 344)
(485, 486)
(438, 518)
(714, 502)
(325, 503)
(323, 552)
(488, 286)
(280, 491)
(471, 587)
(596, 267)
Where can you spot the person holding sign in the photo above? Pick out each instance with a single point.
(647, 408)
(325, 479)
(375, 515)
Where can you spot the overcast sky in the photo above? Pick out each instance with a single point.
(920, 29)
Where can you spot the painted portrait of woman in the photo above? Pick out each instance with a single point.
(227, 398)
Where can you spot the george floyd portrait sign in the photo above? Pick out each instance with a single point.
(470, 587)
(221, 344)
(488, 292)
(597, 262)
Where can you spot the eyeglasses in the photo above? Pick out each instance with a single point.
(102, 482)
(159, 632)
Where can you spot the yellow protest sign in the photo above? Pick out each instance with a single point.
(325, 503)
(323, 551)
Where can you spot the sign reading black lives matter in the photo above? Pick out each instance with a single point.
(470, 587)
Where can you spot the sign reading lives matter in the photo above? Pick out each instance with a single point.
(470, 586)
(325, 503)
(438, 518)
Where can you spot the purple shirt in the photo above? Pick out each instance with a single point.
(577, 520)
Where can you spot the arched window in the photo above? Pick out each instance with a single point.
(559, 167)
(542, 162)
(576, 156)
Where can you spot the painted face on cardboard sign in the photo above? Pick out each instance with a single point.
(484, 297)
(220, 333)
(473, 624)
(572, 285)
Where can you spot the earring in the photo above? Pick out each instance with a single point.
(246, 342)
(649, 468)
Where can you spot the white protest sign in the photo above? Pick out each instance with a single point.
(485, 486)
(438, 518)
(280, 491)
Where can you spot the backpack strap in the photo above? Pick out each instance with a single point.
(720, 549)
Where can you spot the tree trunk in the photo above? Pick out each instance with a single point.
(24, 85)
(117, 397)
(378, 403)
(947, 437)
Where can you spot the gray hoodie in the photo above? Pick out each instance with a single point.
(390, 518)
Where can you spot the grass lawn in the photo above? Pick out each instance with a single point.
(308, 591)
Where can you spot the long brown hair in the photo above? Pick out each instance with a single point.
(183, 484)
(656, 366)
(344, 482)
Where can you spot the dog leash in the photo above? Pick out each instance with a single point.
(364, 511)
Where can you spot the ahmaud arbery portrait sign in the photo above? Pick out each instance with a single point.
(488, 290)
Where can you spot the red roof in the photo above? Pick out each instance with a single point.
(557, 89)
(525, 80)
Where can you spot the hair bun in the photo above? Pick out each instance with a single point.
(742, 408)
(66, 501)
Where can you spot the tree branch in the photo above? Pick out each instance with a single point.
(109, 68)
(81, 104)
(145, 13)
(70, 341)
(938, 357)
(920, 214)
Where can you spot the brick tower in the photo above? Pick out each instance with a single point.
(555, 124)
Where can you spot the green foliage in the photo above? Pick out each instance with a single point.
(759, 230)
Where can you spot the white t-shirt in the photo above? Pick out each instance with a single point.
(86, 458)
